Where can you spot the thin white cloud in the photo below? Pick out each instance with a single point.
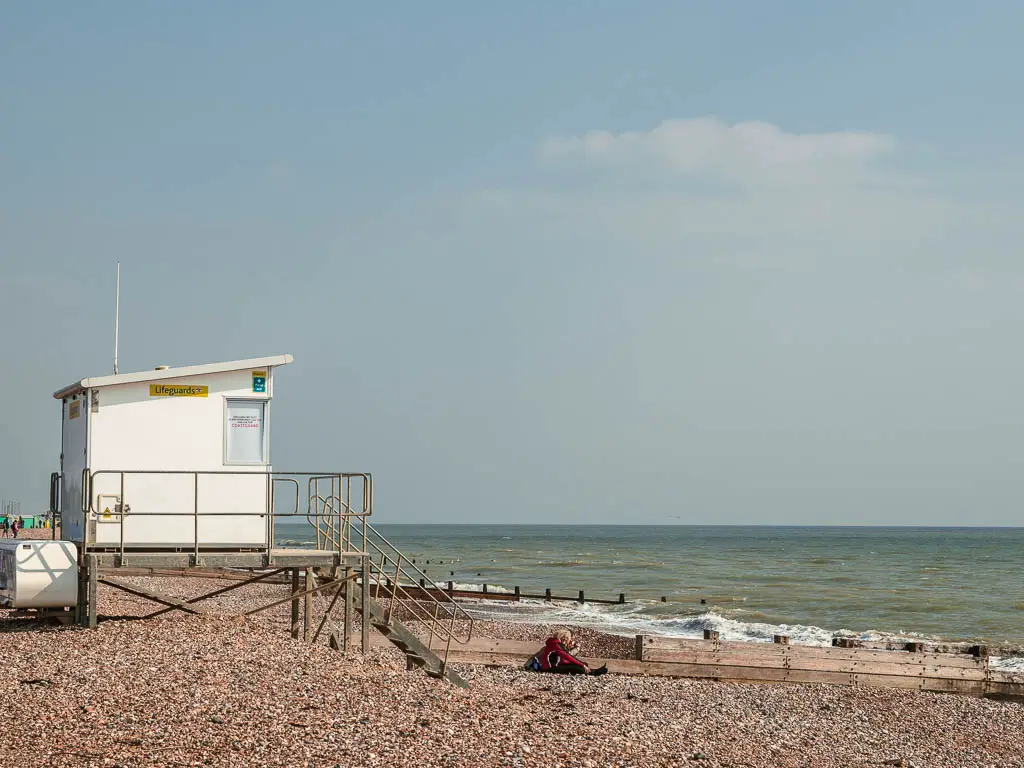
(747, 152)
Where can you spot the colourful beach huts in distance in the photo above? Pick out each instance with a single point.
(31, 521)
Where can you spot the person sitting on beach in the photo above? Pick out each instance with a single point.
(555, 658)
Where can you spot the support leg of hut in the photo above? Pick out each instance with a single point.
(295, 603)
(307, 613)
(92, 573)
(349, 600)
(81, 607)
(364, 640)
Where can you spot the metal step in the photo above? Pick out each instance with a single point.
(415, 649)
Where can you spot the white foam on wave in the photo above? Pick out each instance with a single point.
(630, 619)
(1007, 663)
(464, 586)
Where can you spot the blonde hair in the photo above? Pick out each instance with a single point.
(564, 637)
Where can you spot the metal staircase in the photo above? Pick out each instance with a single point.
(414, 619)
(417, 653)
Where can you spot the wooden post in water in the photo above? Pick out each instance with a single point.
(664, 599)
(622, 597)
(711, 634)
(517, 593)
(780, 639)
(451, 587)
(846, 642)
(580, 600)
(485, 589)
(547, 594)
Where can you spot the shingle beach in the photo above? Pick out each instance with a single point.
(221, 690)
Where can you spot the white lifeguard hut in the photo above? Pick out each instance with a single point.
(167, 471)
(171, 458)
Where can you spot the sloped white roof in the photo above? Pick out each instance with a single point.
(172, 373)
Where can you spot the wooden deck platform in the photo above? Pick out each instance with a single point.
(276, 558)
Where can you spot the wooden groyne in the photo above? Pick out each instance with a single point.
(425, 592)
(961, 673)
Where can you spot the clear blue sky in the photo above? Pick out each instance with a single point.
(737, 262)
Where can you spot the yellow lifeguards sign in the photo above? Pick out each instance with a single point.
(178, 390)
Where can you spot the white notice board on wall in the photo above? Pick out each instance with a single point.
(245, 432)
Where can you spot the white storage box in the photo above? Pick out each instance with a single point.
(38, 574)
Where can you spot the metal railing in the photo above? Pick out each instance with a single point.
(333, 514)
(337, 506)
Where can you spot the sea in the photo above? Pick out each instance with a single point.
(747, 582)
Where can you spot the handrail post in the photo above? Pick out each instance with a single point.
(394, 589)
(448, 647)
(364, 627)
(270, 514)
(337, 516)
(195, 513)
(329, 518)
(86, 507)
(309, 508)
(86, 492)
(121, 500)
(433, 624)
(348, 513)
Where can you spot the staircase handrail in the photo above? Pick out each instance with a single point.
(412, 602)
(331, 515)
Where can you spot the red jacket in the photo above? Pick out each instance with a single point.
(554, 655)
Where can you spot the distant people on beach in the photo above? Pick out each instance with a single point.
(555, 657)
(5, 527)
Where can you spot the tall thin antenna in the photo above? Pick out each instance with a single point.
(117, 313)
